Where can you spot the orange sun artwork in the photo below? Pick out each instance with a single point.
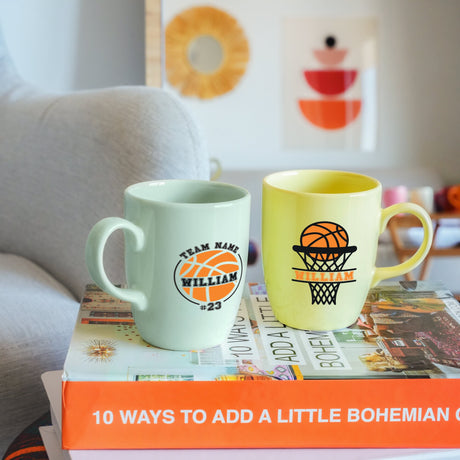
(207, 52)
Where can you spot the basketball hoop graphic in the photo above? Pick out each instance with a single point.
(324, 250)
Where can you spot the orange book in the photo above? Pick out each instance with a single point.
(390, 380)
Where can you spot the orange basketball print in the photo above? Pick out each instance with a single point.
(324, 235)
(209, 276)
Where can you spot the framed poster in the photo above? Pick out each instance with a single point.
(330, 83)
(279, 84)
(153, 43)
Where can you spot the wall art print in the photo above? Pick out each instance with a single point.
(330, 83)
(206, 52)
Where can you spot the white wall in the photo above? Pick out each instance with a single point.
(63, 45)
(418, 87)
(78, 44)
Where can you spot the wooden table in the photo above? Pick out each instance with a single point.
(403, 252)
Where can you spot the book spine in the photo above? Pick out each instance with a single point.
(262, 414)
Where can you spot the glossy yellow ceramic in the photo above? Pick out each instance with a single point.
(320, 231)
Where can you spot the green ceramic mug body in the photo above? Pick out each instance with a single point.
(186, 246)
(320, 232)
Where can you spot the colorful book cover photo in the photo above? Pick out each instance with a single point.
(405, 330)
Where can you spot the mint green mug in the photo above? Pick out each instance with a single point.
(186, 247)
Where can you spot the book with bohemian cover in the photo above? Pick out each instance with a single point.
(51, 436)
(270, 385)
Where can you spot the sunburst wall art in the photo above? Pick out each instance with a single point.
(207, 52)
(330, 68)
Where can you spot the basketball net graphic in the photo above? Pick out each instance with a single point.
(324, 250)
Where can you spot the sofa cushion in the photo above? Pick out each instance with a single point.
(37, 316)
(66, 159)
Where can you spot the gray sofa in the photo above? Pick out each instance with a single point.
(65, 160)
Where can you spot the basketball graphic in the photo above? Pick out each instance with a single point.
(324, 235)
(324, 251)
(209, 276)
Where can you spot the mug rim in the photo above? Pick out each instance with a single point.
(130, 191)
(268, 181)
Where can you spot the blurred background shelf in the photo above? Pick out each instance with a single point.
(404, 251)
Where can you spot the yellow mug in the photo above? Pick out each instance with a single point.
(320, 232)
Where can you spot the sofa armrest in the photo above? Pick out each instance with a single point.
(66, 159)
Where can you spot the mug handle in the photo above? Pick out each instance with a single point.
(381, 273)
(216, 168)
(94, 257)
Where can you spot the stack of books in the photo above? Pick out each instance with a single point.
(391, 380)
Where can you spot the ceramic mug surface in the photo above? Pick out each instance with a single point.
(320, 232)
(186, 247)
(424, 197)
(393, 195)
